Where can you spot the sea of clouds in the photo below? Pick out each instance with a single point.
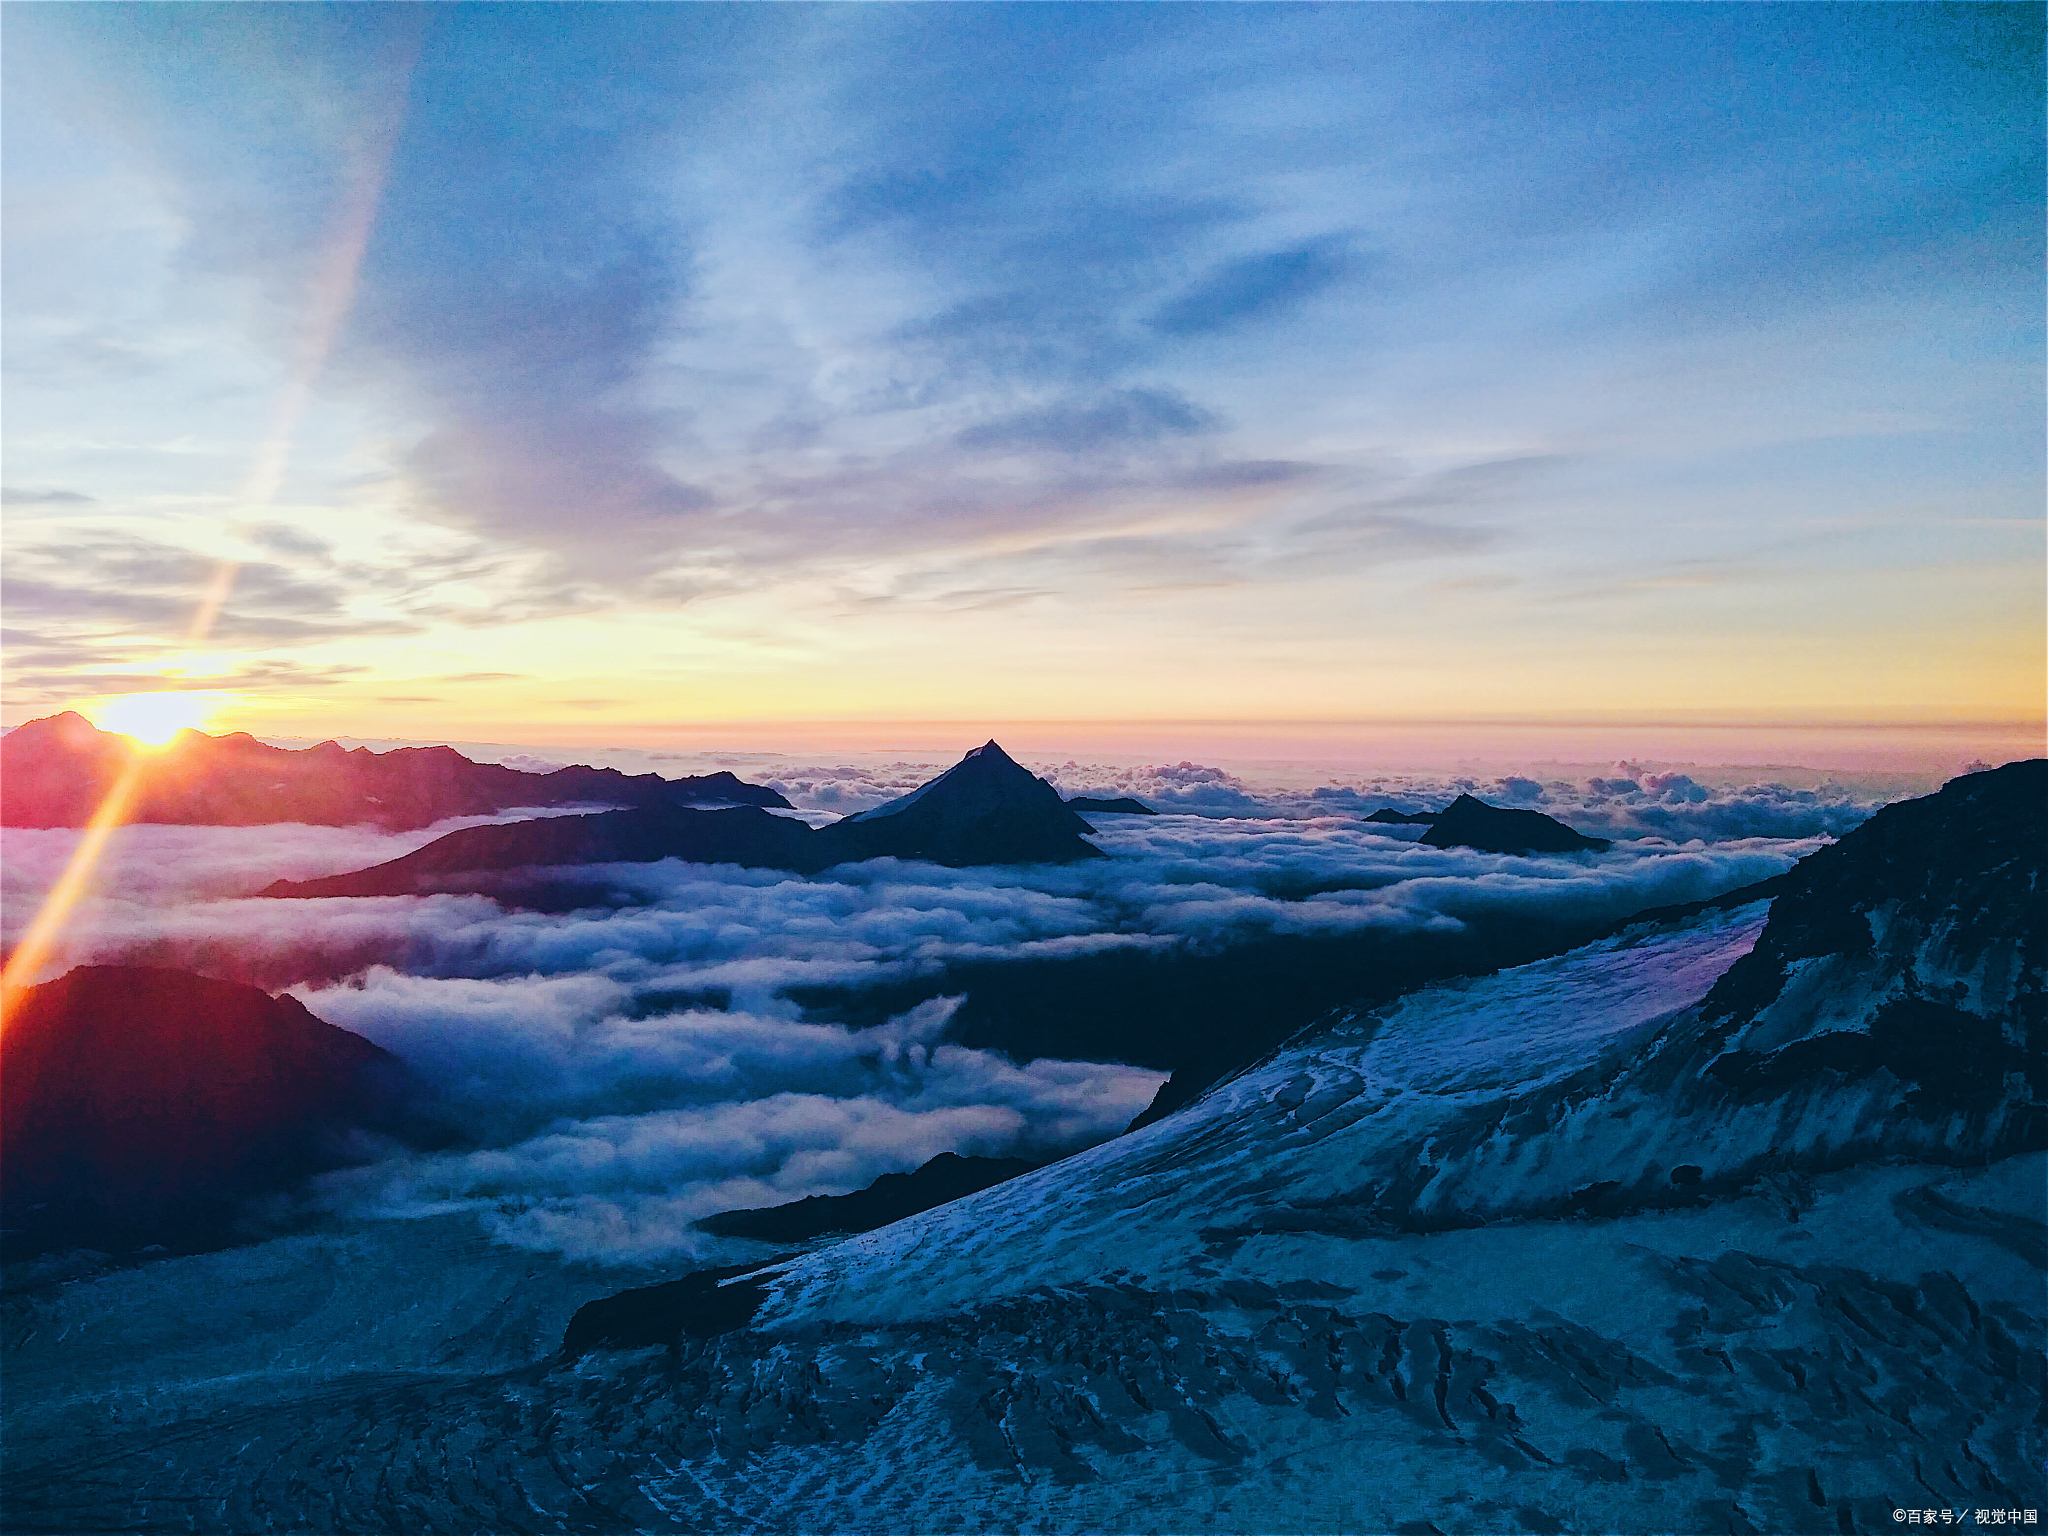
(618, 1073)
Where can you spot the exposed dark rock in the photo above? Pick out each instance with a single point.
(1387, 816)
(1932, 912)
(986, 809)
(1122, 805)
(1470, 823)
(1960, 869)
(55, 772)
(144, 1105)
(891, 1197)
(699, 1306)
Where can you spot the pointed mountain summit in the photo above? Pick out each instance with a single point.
(1470, 823)
(985, 809)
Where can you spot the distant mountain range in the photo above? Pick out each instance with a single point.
(1386, 815)
(505, 861)
(1470, 823)
(55, 772)
(987, 809)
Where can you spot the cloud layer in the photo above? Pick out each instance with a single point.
(621, 1071)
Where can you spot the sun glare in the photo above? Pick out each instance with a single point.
(154, 718)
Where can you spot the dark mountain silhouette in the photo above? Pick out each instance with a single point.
(141, 1105)
(492, 860)
(1470, 823)
(1123, 805)
(56, 771)
(698, 1306)
(986, 809)
(891, 1197)
(1388, 816)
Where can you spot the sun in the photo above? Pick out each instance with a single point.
(154, 718)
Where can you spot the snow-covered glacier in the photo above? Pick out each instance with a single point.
(1730, 1221)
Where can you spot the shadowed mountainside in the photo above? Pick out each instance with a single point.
(1470, 823)
(140, 1105)
(55, 772)
(891, 1197)
(985, 810)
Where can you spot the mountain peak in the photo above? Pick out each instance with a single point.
(68, 727)
(57, 771)
(1468, 822)
(986, 809)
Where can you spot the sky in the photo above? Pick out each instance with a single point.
(605, 373)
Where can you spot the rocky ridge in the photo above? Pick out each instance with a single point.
(985, 810)
(56, 772)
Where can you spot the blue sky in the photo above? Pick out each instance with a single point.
(625, 364)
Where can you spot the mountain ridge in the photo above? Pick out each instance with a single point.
(1468, 822)
(56, 772)
(995, 812)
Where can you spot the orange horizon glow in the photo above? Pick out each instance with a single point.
(154, 719)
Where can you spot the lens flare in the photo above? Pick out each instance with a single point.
(155, 718)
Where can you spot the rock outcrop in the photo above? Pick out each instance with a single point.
(1470, 823)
